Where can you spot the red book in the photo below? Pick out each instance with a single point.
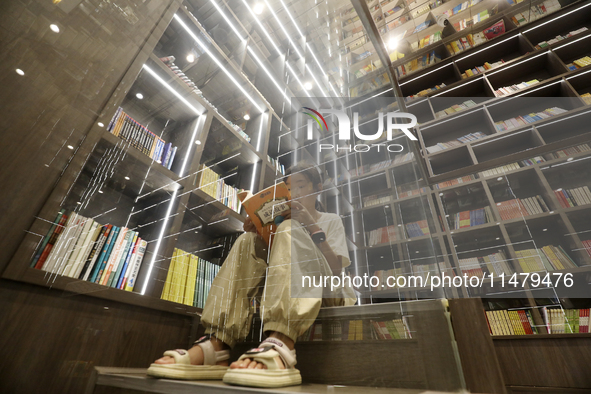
(56, 232)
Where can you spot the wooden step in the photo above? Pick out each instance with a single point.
(136, 379)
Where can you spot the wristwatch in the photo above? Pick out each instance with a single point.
(318, 236)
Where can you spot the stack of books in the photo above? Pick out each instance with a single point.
(455, 143)
(586, 97)
(516, 208)
(455, 108)
(417, 229)
(428, 40)
(535, 12)
(573, 197)
(391, 329)
(382, 235)
(169, 61)
(515, 88)
(495, 263)
(470, 21)
(457, 181)
(461, 7)
(425, 92)
(544, 44)
(587, 245)
(125, 127)
(519, 121)
(471, 218)
(209, 182)
(579, 63)
(276, 165)
(189, 279)
(480, 69)
(548, 258)
(79, 247)
(573, 150)
(410, 191)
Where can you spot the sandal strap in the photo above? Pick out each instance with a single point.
(288, 356)
(210, 355)
(180, 356)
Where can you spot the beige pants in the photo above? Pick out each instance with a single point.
(227, 313)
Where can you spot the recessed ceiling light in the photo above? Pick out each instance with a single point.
(440, 194)
(498, 204)
(544, 229)
(190, 58)
(569, 159)
(246, 117)
(101, 124)
(393, 43)
(500, 178)
(139, 95)
(79, 203)
(258, 8)
(20, 72)
(498, 238)
(198, 142)
(54, 28)
(100, 191)
(70, 147)
(308, 86)
(387, 206)
(127, 178)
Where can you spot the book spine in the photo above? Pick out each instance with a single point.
(138, 262)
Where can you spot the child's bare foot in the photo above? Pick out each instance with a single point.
(196, 354)
(248, 363)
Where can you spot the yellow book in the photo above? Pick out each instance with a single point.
(507, 320)
(176, 277)
(552, 257)
(184, 271)
(167, 283)
(191, 279)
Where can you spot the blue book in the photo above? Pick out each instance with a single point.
(114, 276)
(104, 257)
(127, 256)
(536, 117)
(171, 157)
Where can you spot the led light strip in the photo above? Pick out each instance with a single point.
(169, 88)
(215, 59)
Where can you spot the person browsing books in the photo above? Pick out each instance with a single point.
(308, 242)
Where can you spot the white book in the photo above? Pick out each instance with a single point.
(51, 257)
(68, 236)
(101, 242)
(136, 265)
(122, 255)
(81, 244)
(129, 268)
(92, 236)
(584, 197)
(73, 247)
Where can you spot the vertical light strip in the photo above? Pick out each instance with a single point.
(260, 131)
(254, 172)
(215, 59)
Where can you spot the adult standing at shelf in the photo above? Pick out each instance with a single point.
(308, 242)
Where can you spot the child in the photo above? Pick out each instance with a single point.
(308, 242)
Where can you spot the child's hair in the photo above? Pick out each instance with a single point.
(310, 171)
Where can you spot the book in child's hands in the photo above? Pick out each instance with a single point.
(265, 206)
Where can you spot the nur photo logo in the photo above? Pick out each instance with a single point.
(345, 131)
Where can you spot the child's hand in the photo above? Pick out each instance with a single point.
(301, 214)
(249, 226)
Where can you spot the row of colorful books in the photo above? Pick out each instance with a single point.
(547, 258)
(125, 127)
(573, 197)
(535, 12)
(79, 247)
(428, 40)
(455, 143)
(456, 181)
(502, 170)
(544, 44)
(521, 322)
(480, 69)
(402, 193)
(466, 42)
(209, 182)
(474, 19)
(494, 263)
(505, 90)
(425, 92)
(573, 150)
(579, 63)
(516, 208)
(391, 329)
(587, 246)
(455, 108)
(471, 218)
(519, 121)
(382, 235)
(417, 64)
(514, 322)
(189, 279)
(586, 98)
(417, 229)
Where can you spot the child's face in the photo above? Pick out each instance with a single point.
(299, 186)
